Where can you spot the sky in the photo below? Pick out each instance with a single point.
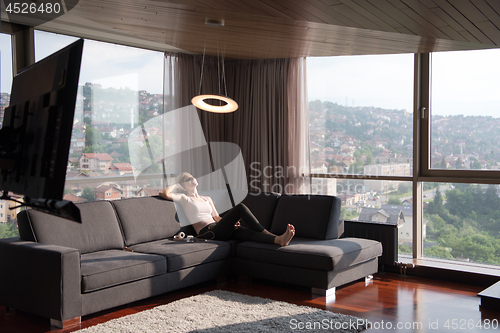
(380, 81)
(108, 64)
(105, 63)
(463, 82)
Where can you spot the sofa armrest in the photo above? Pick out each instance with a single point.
(385, 233)
(41, 279)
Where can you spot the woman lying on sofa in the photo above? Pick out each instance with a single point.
(207, 223)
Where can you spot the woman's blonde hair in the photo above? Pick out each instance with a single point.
(183, 177)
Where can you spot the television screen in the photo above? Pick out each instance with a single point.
(36, 129)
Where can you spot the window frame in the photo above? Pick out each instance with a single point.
(422, 171)
(448, 175)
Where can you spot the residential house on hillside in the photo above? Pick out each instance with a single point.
(106, 192)
(402, 169)
(77, 142)
(381, 215)
(115, 155)
(326, 186)
(402, 215)
(347, 199)
(130, 188)
(109, 130)
(6, 213)
(406, 231)
(148, 191)
(121, 140)
(73, 198)
(121, 168)
(96, 162)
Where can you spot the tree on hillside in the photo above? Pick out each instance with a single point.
(443, 163)
(435, 225)
(394, 201)
(94, 149)
(436, 205)
(404, 188)
(458, 202)
(438, 252)
(316, 106)
(88, 193)
(92, 137)
(8, 230)
(491, 199)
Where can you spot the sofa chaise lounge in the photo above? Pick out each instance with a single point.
(124, 251)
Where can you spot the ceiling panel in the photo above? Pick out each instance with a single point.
(288, 28)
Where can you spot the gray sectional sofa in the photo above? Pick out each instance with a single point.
(124, 251)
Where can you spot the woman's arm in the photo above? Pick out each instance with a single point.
(169, 193)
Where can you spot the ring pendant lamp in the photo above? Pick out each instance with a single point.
(200, 101)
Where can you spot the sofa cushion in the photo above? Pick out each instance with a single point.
(262, 205)
(182, 255)
(105, 269)
(146, 219)
(324, 255)
(98, 231)
(314, 216)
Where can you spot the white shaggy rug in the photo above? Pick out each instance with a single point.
(224, 311)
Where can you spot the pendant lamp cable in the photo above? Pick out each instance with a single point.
(218, 61)
(221, 55)
(224, 73)
(203, 60)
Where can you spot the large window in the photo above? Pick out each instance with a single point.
(7, 216)
(120, 91)
(463, 149)
(361, 131)
(361, 115)
(5, 71)
(453, 167)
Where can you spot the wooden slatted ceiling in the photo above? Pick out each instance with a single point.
(290, 28)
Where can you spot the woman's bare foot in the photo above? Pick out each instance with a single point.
(284, 239)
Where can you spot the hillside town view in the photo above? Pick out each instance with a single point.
(461, 221)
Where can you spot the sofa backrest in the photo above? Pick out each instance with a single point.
(262, 205)
(146, 219)
(98, 231)
(314, 216)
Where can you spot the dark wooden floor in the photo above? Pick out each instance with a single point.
(390, 301)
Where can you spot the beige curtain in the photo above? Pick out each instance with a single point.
(299, 177)
(271, 124)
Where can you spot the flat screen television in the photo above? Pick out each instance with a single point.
(36, 131)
